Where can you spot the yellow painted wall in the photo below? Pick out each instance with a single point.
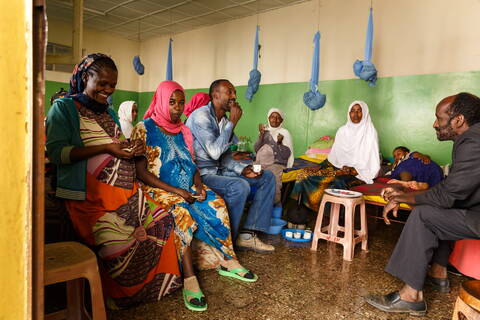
(15, 158)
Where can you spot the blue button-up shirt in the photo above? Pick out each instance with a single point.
(211, 142)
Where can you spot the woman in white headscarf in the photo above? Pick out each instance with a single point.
(274, 147)
(127, 113)
(354, 159)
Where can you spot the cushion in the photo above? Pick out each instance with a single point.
(325, 142)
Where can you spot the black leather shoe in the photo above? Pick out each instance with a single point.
(438, 284)
(392, 303)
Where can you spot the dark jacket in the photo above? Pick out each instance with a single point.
(461, 188)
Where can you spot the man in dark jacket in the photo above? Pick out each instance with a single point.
(449, 211)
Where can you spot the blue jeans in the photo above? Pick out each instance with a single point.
(235, 190)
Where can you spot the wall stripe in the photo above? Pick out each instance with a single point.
(402, 109)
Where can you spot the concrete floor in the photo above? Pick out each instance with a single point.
(296, 283)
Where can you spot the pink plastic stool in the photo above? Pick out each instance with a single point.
(351, 236)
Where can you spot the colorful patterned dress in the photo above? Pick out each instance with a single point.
(133, 270)
(169, 159)
(312, 182)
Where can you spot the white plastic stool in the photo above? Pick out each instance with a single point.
(351, 236)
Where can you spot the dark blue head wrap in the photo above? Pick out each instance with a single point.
(77, 83)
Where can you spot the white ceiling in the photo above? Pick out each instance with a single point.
(143, 19)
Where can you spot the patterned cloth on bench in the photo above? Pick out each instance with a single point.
(302, 162)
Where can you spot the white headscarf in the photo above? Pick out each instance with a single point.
(125, 117)
(287, 138)
(356, 145)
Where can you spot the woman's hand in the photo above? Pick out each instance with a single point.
(415, 185)
(279, 138)
(395, 181)
(261, 129)
(138, 148)
(118, 150)
(422, 157)
(200, 193)
(349, 170)
(185, 195)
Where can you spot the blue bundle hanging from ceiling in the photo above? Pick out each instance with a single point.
(365, 69)
(138, 66)
(169, 75)
(255, 75)
(313, 98)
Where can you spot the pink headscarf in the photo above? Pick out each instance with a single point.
(159, 111)
(198, 100)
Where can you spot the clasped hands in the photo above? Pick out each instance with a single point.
(126, 149)
(389, 193)
(190, 197)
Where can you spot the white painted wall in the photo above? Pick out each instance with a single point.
(121, 50)
(411, 37)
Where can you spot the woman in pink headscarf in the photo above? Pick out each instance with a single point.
(198, 100)
(171, 179)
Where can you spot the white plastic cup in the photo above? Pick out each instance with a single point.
(297, 235)
(307, 235)
(289, 234)
(446, 170)
(257, 168)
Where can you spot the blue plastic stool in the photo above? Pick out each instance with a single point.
(277, 212)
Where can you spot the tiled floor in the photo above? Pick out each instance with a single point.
(295, 283)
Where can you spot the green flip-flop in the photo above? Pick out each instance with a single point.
(248, 276)
(197, 300)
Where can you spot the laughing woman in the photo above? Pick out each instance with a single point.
(133, 237)
(172, 179)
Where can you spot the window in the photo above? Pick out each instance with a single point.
(59, 49)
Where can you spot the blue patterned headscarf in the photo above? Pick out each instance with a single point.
(77, 84)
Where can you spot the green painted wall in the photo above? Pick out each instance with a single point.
(402, 109)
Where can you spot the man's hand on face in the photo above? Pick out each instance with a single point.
(235, 112)
(249, 173)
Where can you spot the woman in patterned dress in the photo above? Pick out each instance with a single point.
(171, 178)
(132, 236)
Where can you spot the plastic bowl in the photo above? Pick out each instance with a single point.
(277, 212)
(276, 226)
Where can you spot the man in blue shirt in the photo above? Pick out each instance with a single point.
(212, 136)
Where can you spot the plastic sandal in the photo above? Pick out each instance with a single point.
(194, 295)
(234, 273)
